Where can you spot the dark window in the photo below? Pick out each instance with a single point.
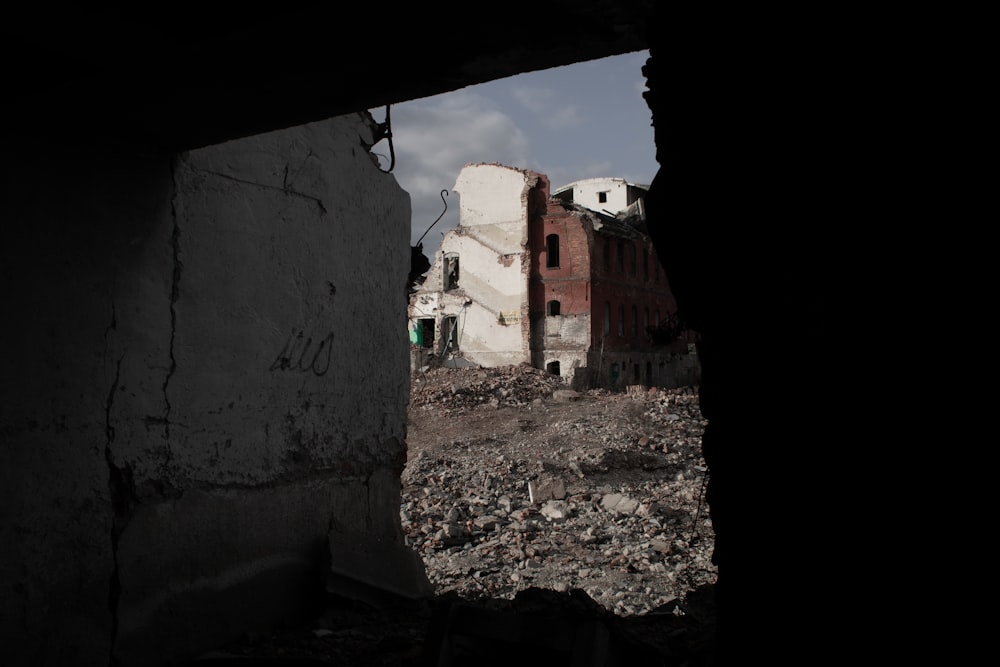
(552, 367)
(621, 320)
(649, 374)
(425, 332)
(552, 251)
(602, 197)
(635, 374)
(645, 266)
(553, 307)
(635, 321)
(607, 254)
(631, 259)
(621, 256)
(607, 318)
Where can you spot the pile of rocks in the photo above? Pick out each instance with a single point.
(507, 488)
(456, 389)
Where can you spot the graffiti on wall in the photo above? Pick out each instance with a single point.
(302, 354)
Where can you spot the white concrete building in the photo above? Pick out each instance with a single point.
(608, 195)
(481, 312)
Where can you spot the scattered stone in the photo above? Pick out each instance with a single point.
(549, 488)
(543, 493)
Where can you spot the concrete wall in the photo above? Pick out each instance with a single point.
(206, 374)
(496, 196)
(491, 300)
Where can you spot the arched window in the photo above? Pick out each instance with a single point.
(621, 320)
(553, 307)
(633, 264)
(552, 251)
(552, 367)
(607, 318)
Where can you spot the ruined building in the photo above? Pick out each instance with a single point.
(569, 283)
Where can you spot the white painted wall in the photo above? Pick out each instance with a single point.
(492, 298)
(496, 196)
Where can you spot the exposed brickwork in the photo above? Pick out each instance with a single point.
(608, 274)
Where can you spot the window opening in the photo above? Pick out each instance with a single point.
(552, 367)
(635, 374)
(602, 197)
(621, 256)
(553, 307)
(649, 374)
(607, 254)
(450, 271)
(449, 333)
(552, 251)
(607, 318)
(425, 332)
(632, 262)
(621, 320)
(635, 321)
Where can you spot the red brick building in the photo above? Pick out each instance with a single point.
(599, 299)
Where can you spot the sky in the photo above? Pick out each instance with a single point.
(580, 121)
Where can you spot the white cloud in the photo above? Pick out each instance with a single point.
(433, 139)
(550, 107)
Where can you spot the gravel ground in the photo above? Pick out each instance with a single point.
(514, 482)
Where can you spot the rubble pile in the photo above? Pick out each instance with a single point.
(511, 486)
(457, 389)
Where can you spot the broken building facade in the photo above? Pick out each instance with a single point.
(559, 282)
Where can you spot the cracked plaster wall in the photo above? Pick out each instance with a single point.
(491, 301)
(204, 377)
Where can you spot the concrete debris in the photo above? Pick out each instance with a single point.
(453, 389)
(549, 488)
(604, 494)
